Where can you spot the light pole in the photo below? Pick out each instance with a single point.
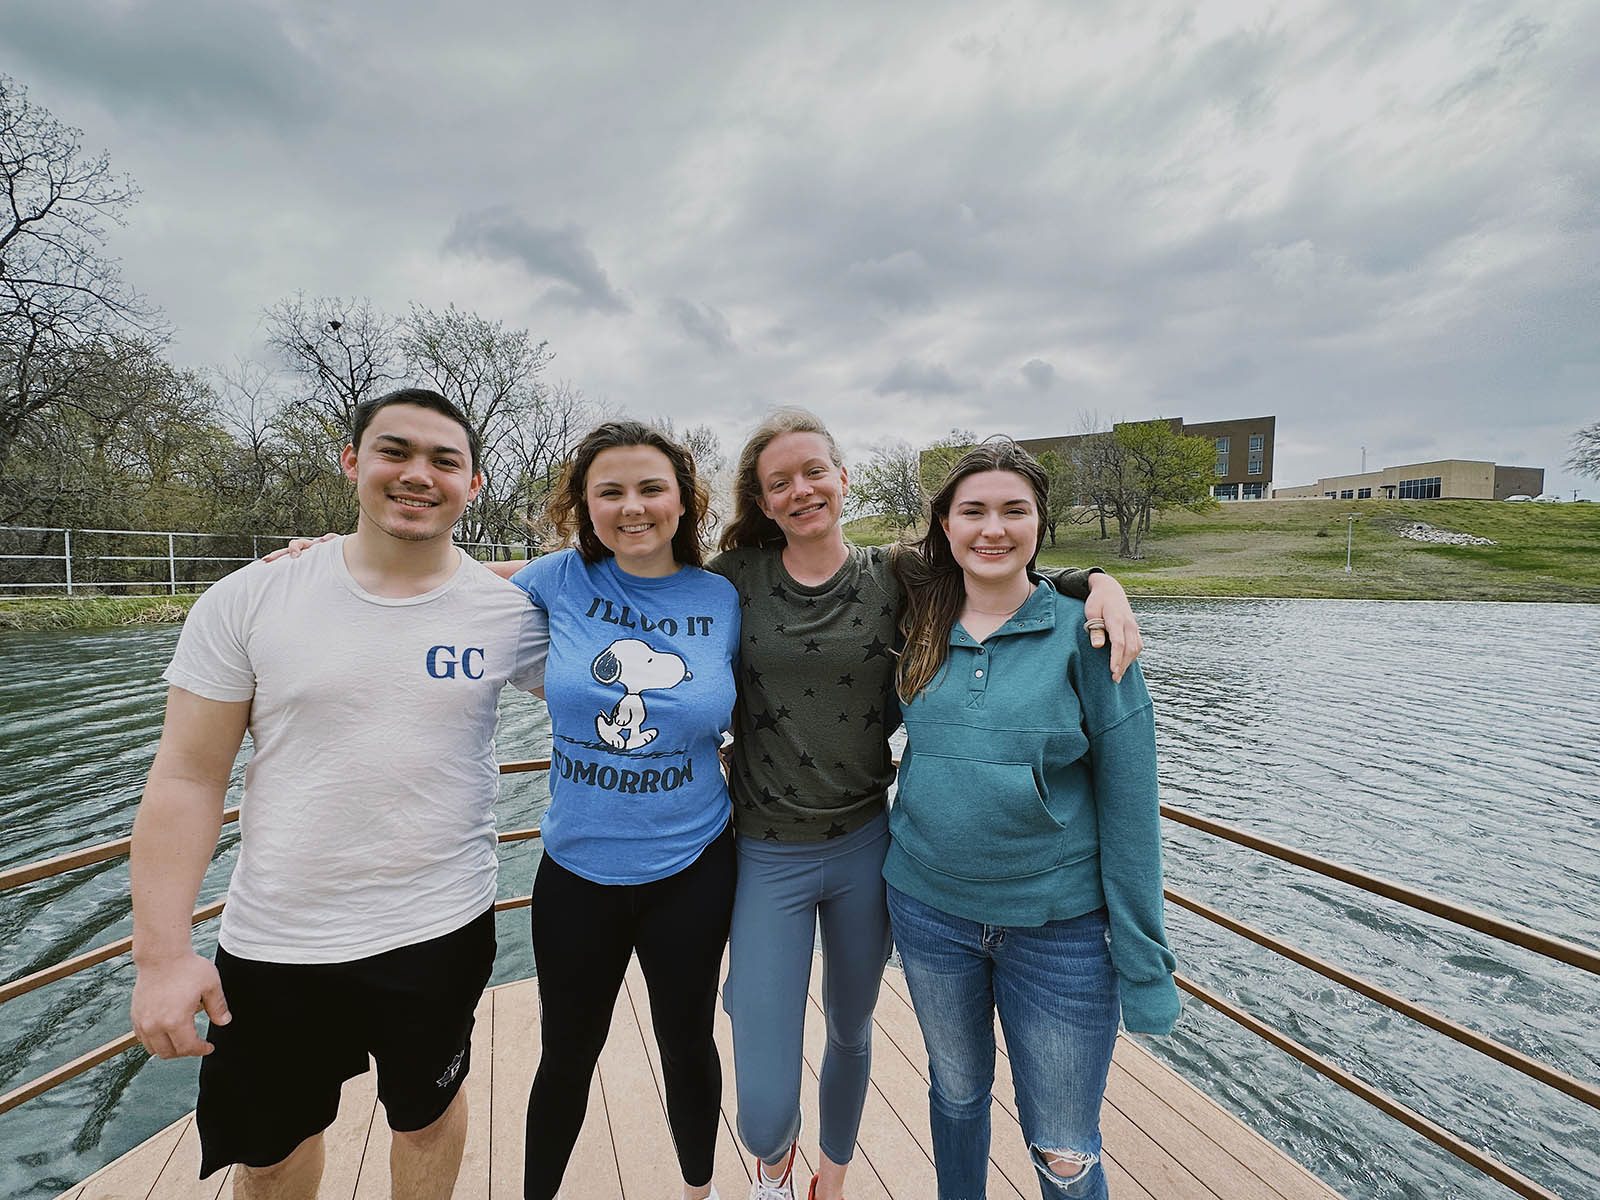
(1349, 536)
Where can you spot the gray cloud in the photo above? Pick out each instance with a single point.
(900, 281)
(501, 235)
(1041, 376)
(918, 377)
(701, 323)
(183, 60)
(1168, 205)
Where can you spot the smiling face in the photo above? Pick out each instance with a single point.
(634, 505)
(802, 488)
(413, 473)
(993, 526)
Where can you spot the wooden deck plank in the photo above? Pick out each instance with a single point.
(473, 1183)
(592, 1170)
(132, 1176)
(1285, 1175)
(180, 1178)
(894, 1121)
(646, 1161)
(372, 1180)
(346, 1139)
(727, 1173)
(1165, 1139)
(1221, 1171)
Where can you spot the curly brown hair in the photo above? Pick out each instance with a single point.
(568, 506)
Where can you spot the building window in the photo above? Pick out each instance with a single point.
(1420, 489)
(1258, 443)
(1331, 495)
(1222, 464)
(1363, 493)
(1255, 464)
(1348, 494)
(1255, 491)
(1226, 491)
(1222, 445)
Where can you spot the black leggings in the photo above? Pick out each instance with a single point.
(583, 936)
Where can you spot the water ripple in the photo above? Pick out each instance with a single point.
(1375, 734)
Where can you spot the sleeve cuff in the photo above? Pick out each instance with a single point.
(1150, 1007)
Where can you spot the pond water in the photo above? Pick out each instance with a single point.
(1452, 747)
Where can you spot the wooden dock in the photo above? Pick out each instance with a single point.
(1164, 1140)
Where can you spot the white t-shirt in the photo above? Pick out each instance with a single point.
(368, 816)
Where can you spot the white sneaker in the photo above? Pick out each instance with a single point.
(762, 1188)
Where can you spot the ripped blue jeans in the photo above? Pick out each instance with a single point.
(1056, 994)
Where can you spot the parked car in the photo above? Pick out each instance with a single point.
(1547, 498)
(1509, 499)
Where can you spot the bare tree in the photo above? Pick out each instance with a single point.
(341, 351)
(543, 444)
(492, 374)
(1585, 456)
(61, 295)
(889, 484)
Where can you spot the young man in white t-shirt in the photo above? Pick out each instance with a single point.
(360, 913)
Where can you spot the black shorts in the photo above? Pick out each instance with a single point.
(299, 1030)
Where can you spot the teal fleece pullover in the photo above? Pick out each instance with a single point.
(1027, 794)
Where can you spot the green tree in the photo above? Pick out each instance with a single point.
(889, 485)
(936, 459)
(1139, 468)
(1062, 505)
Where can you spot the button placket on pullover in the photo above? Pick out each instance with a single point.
(976, 659)
(970, 657)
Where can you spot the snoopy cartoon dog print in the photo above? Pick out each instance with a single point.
(638, 668)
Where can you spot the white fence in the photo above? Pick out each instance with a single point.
(35, 558)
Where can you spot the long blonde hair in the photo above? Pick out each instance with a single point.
(750, 526)
(935, 587)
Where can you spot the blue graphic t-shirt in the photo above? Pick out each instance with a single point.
(640, 687)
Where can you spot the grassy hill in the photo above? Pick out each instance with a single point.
(1297, 548)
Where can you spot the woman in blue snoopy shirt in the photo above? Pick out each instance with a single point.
(638, 851)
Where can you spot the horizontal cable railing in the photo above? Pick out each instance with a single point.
(1570, 953)
(1515, 1059)
(72, 558)
(1555, 948)
(1382, 1101)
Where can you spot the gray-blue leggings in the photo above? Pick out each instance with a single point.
(784, 890)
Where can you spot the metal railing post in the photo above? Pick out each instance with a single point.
(67, 558)
(172, 569)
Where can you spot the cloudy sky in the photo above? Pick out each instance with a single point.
(1379, 221)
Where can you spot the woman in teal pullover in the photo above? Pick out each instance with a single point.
(1024, 867)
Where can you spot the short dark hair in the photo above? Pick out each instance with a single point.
(422, 398)
(568, 505)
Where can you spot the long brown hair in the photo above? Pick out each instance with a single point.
(935, 588)
(750, 526)
(568, 507)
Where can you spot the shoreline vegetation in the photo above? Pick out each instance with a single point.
(1261, 549)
